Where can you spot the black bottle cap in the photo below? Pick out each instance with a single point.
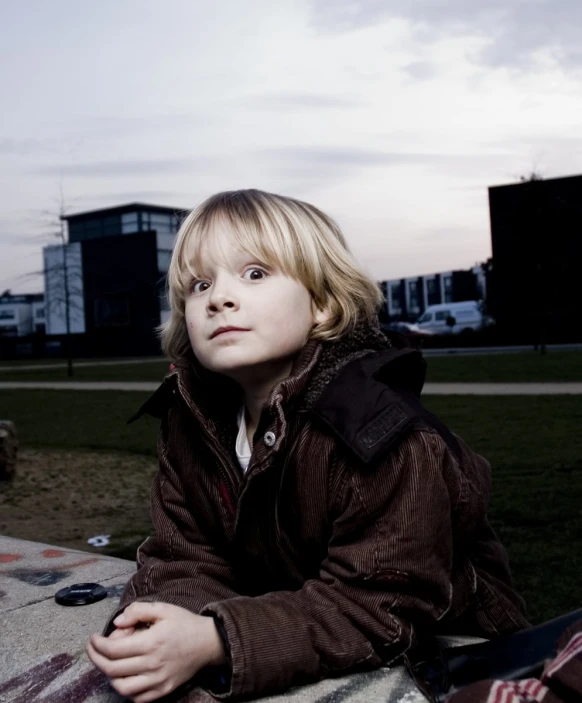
(81, 594)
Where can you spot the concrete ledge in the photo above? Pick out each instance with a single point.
(42, 644)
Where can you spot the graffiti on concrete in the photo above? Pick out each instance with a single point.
(87, 685)
(34, 577)
(53, 553)
(30, 685)
(7, 558)
(47, 576)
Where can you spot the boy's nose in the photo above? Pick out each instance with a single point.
(221, 301)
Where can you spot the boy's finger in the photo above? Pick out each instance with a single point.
(122, 647)
(139, 612)
(136, 688)
(120, 632)
(119, 668)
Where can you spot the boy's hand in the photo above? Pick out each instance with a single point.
(146, 664)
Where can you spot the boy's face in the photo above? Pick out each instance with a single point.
(271, 313)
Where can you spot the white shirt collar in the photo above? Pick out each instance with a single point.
(243, 448)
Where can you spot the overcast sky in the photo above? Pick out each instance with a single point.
(392, 116)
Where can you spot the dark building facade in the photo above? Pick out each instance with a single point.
(115, 264)
(534, 284)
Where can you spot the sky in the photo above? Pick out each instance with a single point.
(394, 117)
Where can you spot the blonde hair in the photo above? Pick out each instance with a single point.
(300, 240)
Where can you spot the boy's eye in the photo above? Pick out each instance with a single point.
(254, 274)
(200, 286)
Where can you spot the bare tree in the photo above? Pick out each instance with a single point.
(533, 175)
(63, 278)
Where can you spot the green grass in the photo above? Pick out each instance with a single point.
(522, 367)
(146, 371)
(94, 420)
(534, 445)
(506, 368)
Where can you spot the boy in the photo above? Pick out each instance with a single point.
(311, 518)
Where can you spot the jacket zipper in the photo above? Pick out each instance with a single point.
(280, 548)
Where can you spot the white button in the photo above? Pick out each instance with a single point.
(269, 438)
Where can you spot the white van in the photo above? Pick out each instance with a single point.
(468, 315)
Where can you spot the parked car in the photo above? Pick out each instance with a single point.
(454, 318)
(405, 334)
(408, 329)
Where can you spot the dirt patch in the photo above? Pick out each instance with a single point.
(64, 498)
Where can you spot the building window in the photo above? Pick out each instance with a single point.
(145, 222)
(129, 223)
(432, 292)
(112, 312)
(448, 286)
(39, 314)
(163, 220)
(7, 315)
(413, 294)
(164, 260)
(395, 296)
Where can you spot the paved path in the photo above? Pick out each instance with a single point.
(549, 388)
(485, 351)
(148, 386)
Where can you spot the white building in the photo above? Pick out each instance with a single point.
(21, 315)
(407, 298)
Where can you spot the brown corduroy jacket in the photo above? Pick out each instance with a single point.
(358, 528)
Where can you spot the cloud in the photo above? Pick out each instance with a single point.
(20, 147)
(120, 125)
(299, 101)
(137, 196)
(329, 161)
(515, 31)
(112, 169)
(420, 70)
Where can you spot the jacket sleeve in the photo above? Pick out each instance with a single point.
(388, 565)
(179, 564)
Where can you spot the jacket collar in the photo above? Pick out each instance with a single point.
(215, 396)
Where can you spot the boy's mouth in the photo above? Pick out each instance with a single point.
(224, 330)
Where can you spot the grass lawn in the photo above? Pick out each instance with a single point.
(522, 367)
(508, 368)
(534, 445)
(92, 420)
(146, 371)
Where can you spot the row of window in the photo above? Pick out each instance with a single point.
(11, 315)
(127, 223)
(433, 294)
